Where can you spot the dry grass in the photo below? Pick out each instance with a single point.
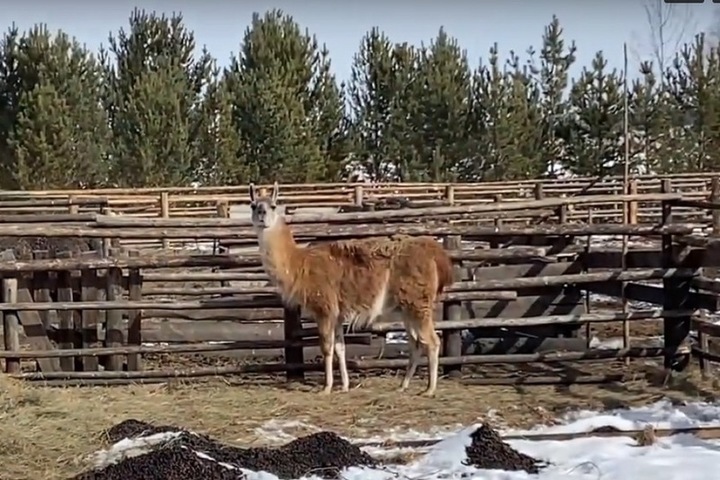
(49, 432)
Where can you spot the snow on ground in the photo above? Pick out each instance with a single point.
(590, 458)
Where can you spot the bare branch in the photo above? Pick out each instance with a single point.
(668, 28)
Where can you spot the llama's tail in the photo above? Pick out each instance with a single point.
(444, 266)
(430, 249)
(443, 263)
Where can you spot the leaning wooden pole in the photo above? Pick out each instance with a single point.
(626, 190)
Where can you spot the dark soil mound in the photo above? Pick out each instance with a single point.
(170, 462)
(488, 451)
(191, 457)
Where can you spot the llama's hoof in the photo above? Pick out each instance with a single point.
(326, 391)
(402, 388)
(427, 393)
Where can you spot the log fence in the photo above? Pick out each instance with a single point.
(80, 208)
(89, 318)
(209, 201)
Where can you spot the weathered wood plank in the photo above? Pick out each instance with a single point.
(35, 331)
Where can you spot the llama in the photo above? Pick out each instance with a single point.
(356, 281)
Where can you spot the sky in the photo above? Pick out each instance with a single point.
(340, 24)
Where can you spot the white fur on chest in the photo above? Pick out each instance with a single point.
(273, 271)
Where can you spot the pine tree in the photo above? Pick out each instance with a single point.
(443, 108)
(524, 111)
(487, 121)
(505, 122)
(403, 138)
(594, 139)
(154, 100)
(286, 102)
(380, 85)
(53, 131)
(692, 83)
(556, 59)
(649, 127)
(333, 124)
(222, 159)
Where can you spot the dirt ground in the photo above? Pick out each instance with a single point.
(49, 433)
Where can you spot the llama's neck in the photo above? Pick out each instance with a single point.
(278, 252)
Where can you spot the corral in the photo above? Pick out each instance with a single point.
(555, 289)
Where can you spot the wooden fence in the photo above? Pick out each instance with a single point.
(86, 318)
(214, 201)
(431, 201)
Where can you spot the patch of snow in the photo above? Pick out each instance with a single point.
(632, 304)
(127, 448)
(614, 343)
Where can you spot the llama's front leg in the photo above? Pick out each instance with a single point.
(413, 360)
(342, 360)
(327, 347)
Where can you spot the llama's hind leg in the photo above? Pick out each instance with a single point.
(413, 360)
(342, 360)
(327, 348)
(431, 342)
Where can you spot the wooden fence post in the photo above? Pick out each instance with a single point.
(450, 194)
(73, 208)
(134, 335)
(89, 327)
(452, 311)
(358, 196)
(633, 205)
(165, 213)
(113, 328)
(562, 214)
(295, 355)
(538, 191)
(676, 294)
(11, 325)
(715, 198)
(66, 329)
(76, 319)
(222, 209)
(107, 242)
(713, 272)
(41, 289)
(498, 222)
(586, 297)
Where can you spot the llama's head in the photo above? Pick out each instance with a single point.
(265, 214)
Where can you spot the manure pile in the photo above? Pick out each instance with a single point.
(488, 451)
(190, 456)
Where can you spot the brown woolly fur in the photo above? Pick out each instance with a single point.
(356, 281)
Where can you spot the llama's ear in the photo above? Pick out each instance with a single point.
(275, 191)
(252, 193)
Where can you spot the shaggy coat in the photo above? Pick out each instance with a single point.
(356, 282)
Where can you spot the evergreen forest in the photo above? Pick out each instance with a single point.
(150, 108)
